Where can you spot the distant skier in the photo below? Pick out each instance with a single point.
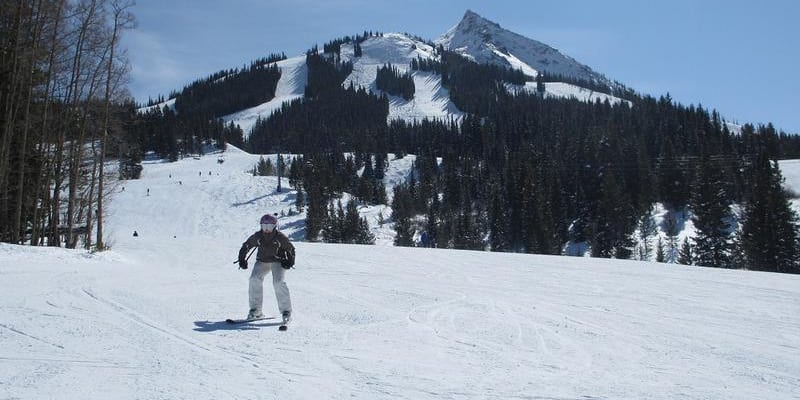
(276, 254)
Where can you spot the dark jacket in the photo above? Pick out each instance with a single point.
(268, 245)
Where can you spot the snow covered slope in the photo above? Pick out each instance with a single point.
(431, 100)
(790, 169)
(145, 320)
(291, 85)
(567, 90)
(160, 106)
(485, 41)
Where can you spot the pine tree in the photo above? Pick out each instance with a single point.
(497, 225)
(402, 214)
(334, 230)
(364, 236)
(404, 232)
(711, 208)
(352, 223)
(431, 221)
(685, 254)
(672, 178)
(379, 193)
(647, 229)
(660, 256)
(769, 231)
(468, 235)
(613, 221)
(316, 212)
(300, 200)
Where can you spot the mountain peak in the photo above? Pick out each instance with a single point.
(472, 15)
(485, 41)
(472, 21)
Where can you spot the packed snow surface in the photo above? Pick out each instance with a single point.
(145, 320)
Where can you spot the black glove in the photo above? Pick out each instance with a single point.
(287, 261)
(242, 259)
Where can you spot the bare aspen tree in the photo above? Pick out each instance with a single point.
(55, 58)
(83, 89)
(10, 65)
(122, 20)
(42, 178)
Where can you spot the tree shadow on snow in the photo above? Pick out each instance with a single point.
(289, 197)
(253, 201)
(212, 326)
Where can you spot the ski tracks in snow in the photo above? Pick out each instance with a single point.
(157, 329)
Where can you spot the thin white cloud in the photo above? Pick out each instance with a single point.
(154, 68)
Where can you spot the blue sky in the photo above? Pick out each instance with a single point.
(739, 57)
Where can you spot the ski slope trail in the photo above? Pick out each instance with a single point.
(146, 320)
(291, 86)
(431, 100)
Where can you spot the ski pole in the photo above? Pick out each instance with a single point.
(248, 256)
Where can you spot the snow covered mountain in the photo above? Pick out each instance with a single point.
(484, 41)
(475, 37)
(145, 320)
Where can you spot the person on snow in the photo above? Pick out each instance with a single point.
(275, 254)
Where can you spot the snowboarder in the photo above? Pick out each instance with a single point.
(275, 254)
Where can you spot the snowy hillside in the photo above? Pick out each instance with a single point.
(291, 85)
(790, 169)
(567, 90)
(431, 100)
(160, 106)
(145, 320)
(485, 41)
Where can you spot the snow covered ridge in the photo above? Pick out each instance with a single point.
(484, 41)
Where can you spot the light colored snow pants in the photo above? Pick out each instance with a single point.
(260, 270)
